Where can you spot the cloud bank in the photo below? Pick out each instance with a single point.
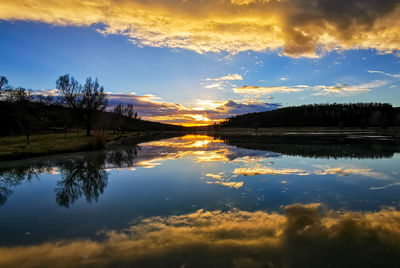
(297, 28)
(203, 112)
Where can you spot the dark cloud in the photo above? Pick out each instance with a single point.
(242, 108)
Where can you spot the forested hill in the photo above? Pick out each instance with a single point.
(322, 115)
(35, 118)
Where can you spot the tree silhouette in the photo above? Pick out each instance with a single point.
(3, 83)
(87, 100)
(123, 114)
(22, 112)
(93, 100)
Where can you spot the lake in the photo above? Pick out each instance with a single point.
(203, 201)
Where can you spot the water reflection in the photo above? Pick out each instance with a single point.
(195, 201)
(83, 175)
(79, 177)
(328, 146)
(13, 176)
(122, 158)
(86, 175)
(303, 236)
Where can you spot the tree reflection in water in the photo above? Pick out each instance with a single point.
(88, 177)
(14, 176)
(80, 176)
(122, 158)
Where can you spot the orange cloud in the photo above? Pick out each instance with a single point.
(298, 28)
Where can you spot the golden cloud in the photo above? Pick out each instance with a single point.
(299, 28)
(305, 235)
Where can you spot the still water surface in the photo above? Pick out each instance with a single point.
(200, 201)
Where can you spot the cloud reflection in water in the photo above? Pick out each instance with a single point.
(303, 235)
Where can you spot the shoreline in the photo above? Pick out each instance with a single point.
(15, 147)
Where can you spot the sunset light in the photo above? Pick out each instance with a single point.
(199, 133)
(229, 57)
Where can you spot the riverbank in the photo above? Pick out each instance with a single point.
(16, 147)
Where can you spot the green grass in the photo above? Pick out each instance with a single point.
(16, 147)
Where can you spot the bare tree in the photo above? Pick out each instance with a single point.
(18, 95)
(88, 99)
(126, 111)
(45, 99)
(93, 100)
(123, 114)
(70, 90)
(119, 109)
(3, 83)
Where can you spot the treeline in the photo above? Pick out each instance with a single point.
(321, 115)
(25, 112)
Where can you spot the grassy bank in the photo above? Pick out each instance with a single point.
(16, 147)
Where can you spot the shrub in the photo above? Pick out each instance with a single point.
(98, 140)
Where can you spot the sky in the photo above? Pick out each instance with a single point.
(196, 62)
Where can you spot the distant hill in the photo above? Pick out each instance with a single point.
(17, 118)
(321, 115)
